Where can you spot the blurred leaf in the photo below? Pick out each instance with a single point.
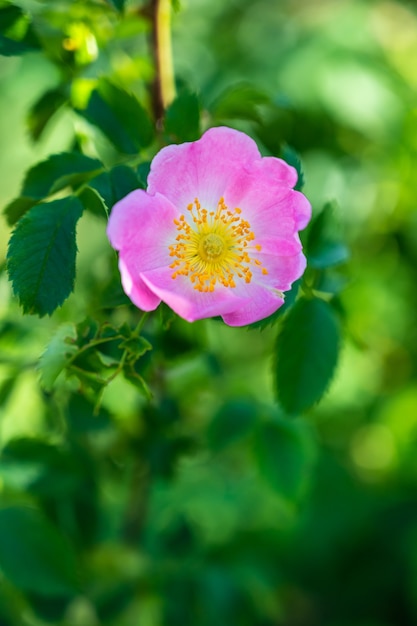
(324, 246)
(41, 255)
(8, 16)
(291, 157)
(17, 208)
(42, 111)
(11, 48)
(120, 116)
(182, 118)
(307, 351)
(39, 467)
(240, 101)
(284, 452)
(56, 355)
(118, 4)
(34, 555)
(232, 422)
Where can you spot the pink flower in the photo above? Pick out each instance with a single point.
(216, 232)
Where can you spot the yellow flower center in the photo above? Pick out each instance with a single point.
(216, 248)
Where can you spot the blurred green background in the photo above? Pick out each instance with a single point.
(209, 506)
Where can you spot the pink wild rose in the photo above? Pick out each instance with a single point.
(216, 232)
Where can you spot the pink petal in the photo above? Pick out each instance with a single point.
(143, 225)
(137, 291)
(262, 304)
(186, 301)
(202, 169)
(264, 195)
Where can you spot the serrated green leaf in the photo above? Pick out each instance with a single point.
(307, 350)
(182, 118)
(324, 246)
(57, 172)
(34, 555)
(240, 101)
(41, 255)
(136, 346)
(284, 453)
(120, 116)
(231, 423)
(56, 355)
(43, 110)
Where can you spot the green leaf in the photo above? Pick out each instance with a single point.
(118, 4)
(241, 101)
(47, 177)
(324, 246)
(284, 453)
(41, 255)
(43, 110)
(123, 180)
(93, 202)
(291, 157)
(59, 171)
(56, 355)
(17, 208)
(11, 48)
(120, 116)
(231, 423)
(9, 15)
(182, 118)
(307, 349)
(34, 555)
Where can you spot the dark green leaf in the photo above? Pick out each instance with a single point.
(123, 180)
(41, 255)
(182, 119)
(43, 110)
(118, 4)
(291, 157)
(9, 15)
(120, 116)
(17, 208)
(284, 453)
(232, 422)
(58, 172)
(136, 346)
(307, 350)
(240, 101)
(324, 246)
(33, 554)
(93, 202)
(11, 48)
(40, 467)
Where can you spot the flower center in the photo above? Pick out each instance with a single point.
(215, 248)
(211, 247)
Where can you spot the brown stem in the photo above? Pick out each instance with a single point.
(163, 89)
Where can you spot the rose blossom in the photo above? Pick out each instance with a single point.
(216, 232)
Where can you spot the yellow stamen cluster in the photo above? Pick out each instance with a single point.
(215, 248)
